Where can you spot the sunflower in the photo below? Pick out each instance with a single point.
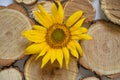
(56, 39)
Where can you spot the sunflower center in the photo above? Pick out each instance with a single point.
(57, 36)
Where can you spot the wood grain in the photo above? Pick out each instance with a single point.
(84, 5)
(33, 71)
(27, 2)
(102, 52)
(91, 78)
(111, 9)
(10, 74)
(12, 43)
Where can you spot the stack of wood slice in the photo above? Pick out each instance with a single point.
(102, 52)
(84, 5)
(111, 9)
(50, 71)
(10, 74)
(12, 43)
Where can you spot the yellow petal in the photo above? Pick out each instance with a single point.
(79, 48)
(38, 27)
(60, 12)
(73, 18)
(73, 50)
(59, 57)
(34, 35)
(79, 31)
(42, 19)
(42, 53)
(54, 11)
(82, 36)
(45, 14)
(77, 25)
(34, 48)
(57, 14)
(66, 55)
(42, 10)
(45, 59)
(53, 55)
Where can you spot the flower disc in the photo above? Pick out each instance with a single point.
(57, 36)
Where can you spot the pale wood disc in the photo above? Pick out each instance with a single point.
(10, 74)
(76, 5)
(12, 43)
(102, 53)
(91, 78)
(111, 9)
(27, 2)
(33, 71)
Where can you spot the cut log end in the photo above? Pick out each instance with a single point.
(111, 9)
(50, 72)
(27, 2)
(76, 5)
(91, 78)
(10, 74)
(12, 23)
(102, 52)
(46, 4)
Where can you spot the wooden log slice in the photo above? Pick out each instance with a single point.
(111, 9)
(84, 5)
(91, 78)
(10, 74)
(102, 53)
(46, 4)
(27, 2)
(33, 71)
(12, 43)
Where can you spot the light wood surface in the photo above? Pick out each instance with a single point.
(85, 5)
(91, 78)
(12, 43)
(33, 71)
(10, 74)
(27, 2)
(111, 9)
(102, 52)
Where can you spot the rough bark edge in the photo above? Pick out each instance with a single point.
(114, 76)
